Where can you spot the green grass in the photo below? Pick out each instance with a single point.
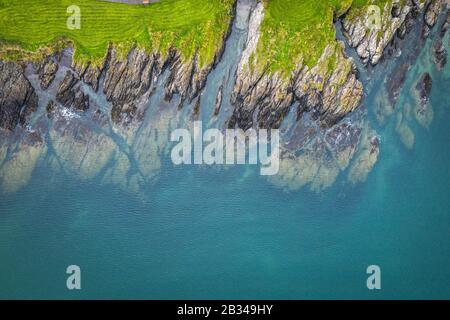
(298, 31)
(292, 32)
(31, 28)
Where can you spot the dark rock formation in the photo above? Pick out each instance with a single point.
(371, 42)
(126, 80)
(196, 111)
(397, 18)
(47, 73)
(263, 99)
(90, 75)
(218, 103)
(70, 95)
(432, 11)
(445, 25)
(439, 54)
(395, 82)
(18, 99)
(424, 87)
(50, 109)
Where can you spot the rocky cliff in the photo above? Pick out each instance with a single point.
(18, 99)
(262, 99)
(371, 31)
(95, 111)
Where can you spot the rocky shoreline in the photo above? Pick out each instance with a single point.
(51, 105)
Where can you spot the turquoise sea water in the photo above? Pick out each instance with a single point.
(204, 233)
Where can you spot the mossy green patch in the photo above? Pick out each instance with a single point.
(29, 27)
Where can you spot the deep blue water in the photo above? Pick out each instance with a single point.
(203, 233)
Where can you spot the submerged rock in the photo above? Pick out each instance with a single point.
(369, 150)
(314, 156)
(403, 129)
(439, 54)
(394, 82)
(421, 91)
(343, 140)
(424, 87)
(78, 148)
(16, 170)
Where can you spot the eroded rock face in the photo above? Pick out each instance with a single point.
(432, 11)
(18, 100)
(70, 95)
(371, 41)
(424, 87)
(90, 74)
(127, 80)
(47, 73)
(439, 54)
(395, 82)
(446, 23)
(263, 99)
(396, 19)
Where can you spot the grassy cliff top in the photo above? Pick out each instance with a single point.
(296, 31)
(29, 26)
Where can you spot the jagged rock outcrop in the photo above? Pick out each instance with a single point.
(18, 100)
(394, 82)
(50, 109)
(369, 31)
(421, 91)
(438, 49)
(424, 87)
(218, 103)
(185, 77)
(439, 54)
(47, 72)
(90, 73)
(70, 94)
(263, 99)
(446, 23)
(127, 80)
(432, 11)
